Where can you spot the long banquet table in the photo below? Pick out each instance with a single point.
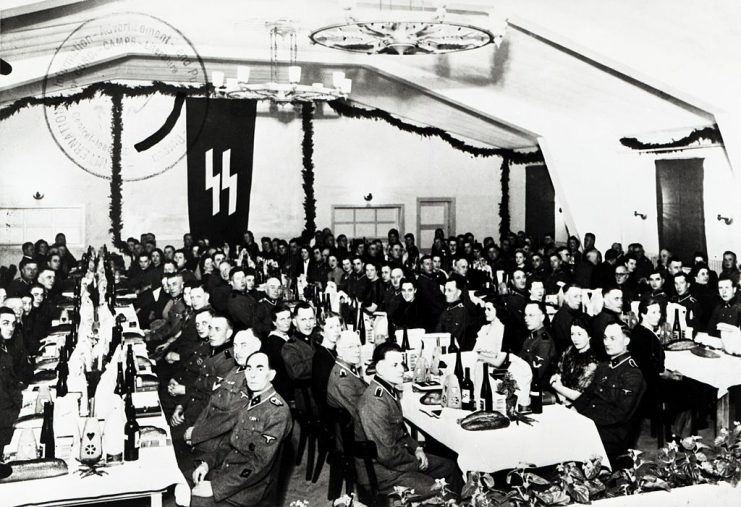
(557, 435)
(149, 477)
(722, 373)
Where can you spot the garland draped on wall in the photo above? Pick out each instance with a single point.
(118, 91)
(508, 156)
(504, 218)
(116, 179)
(307, 173)
(711, 134)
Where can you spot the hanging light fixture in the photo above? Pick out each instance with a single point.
(282, 32)
(397, 28)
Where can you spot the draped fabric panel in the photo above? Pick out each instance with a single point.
(219, 167)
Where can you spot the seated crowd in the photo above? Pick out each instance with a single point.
(243, 349)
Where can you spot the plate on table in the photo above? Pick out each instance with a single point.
(706, 353)
(679, 345)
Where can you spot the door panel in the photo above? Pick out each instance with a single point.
(540, 202)
(680, 206)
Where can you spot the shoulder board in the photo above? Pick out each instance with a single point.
(632, 363)
(275, 401)
(379, 392)
(343, 373)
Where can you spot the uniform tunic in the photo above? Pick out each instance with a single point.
(241, 309)
(220, 414)
(726, 313)
(243, 468)
(215, 369)
(344, 389)
(539, 351)
(612, 399)
(461, 321)
(11, 397)
(382, 422)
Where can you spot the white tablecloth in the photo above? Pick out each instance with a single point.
(721, 373)
(156, 470)
(557, 435)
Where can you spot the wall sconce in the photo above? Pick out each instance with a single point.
(38, 196)
(727, 220)
(642, 215)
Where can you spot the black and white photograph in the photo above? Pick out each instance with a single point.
(370, 253)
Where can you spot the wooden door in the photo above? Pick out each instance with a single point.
(540, 202)
(680, 208)
(434, 213)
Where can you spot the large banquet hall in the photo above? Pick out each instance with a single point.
(293, 253)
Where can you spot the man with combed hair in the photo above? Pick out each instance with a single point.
(401, 459)
(28, 270)
(228, 398)
(612, 398)
(263, 321)
(461, 318)
(241, 306)
(346, 385)
(243, 470)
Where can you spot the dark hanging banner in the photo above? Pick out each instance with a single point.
(219, 167)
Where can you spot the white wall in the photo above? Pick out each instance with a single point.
(602, 184)
(352, 158)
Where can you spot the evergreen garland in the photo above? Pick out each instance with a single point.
(344, 108)
(115, 213)
(307, 148)
(504, 218)
(711, 134)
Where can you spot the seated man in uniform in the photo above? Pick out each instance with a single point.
(11, 397)
(242, 470)
(401, 460)
(217, 419)
(346, 385)
(611, 400)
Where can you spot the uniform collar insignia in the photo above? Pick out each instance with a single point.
(268, 438)
(267, 394)
(385, 386)
(243, 395)
(617, 361)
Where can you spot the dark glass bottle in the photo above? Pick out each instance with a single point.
(405, 340)
(458, 370)
(361, 326)
(467, 395)
(131, 433)
(536, 395)
(47, 432)
(452, 347)
(120, 384)
(486, 401)
(676, 327)
(130, 371)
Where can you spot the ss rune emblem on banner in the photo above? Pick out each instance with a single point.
(222, 181)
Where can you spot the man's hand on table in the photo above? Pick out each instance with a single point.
(175, 389)
(172, 357)
(422, 458)
(187, 435)
(199, 474)
(671, 375)
(177, 416)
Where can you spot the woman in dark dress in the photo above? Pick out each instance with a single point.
(577, 365)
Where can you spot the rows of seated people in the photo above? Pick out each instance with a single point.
(242, 348)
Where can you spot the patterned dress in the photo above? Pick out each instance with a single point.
(577, 368)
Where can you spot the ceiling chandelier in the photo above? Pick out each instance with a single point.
(282, 32)
(401, 30)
